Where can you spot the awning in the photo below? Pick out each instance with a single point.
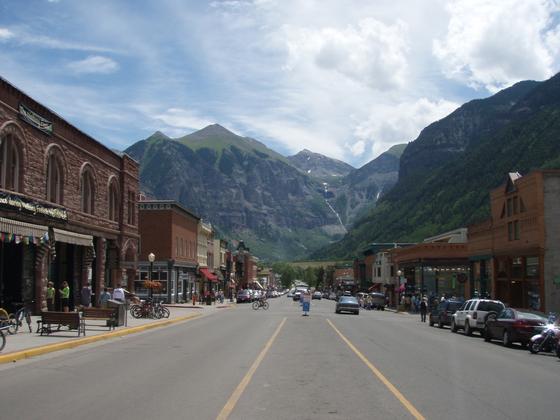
(72, 237)
(208, 275)
(21, 228)
(258, 285)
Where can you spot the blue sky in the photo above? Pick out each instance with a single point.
(344, 78)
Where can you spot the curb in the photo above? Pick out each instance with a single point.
(37, 351)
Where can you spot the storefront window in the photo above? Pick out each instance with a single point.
(517, 267)
(532, 269)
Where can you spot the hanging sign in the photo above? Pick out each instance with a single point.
(35, 120)
(23, 204)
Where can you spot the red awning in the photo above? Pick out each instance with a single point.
(208, 275)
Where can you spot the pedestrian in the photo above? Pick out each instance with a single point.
(104, 298)
(85, 295)
(423, 309)
(221, 294)
(50, 296)
(118, 293)
(306, 302)
(65, 297)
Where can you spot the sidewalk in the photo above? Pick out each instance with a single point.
(25, 344)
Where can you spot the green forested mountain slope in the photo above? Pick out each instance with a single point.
(450, 188)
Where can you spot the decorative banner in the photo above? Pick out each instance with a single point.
(35, 120)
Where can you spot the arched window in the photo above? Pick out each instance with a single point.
(9, 164)
(88, 191)
(113, 202)
(54, 180)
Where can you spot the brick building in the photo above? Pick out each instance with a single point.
(515, 254)
(67, 205)
(170, 232)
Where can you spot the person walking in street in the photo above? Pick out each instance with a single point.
(306, 302)
(85, 295)
(104, 298)
(423, 309)
(50, 296)
(65, 297)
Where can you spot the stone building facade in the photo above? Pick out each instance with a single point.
(67, 205)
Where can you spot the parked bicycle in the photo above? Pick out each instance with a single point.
(149, 309)
(8, 321)
(3, 336)
(23, 313)
(260, 303)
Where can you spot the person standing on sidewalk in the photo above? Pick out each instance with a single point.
(104, 297)
(118, 293)
(65, 297)
(85, 295)
(423, 309)
(50, 296)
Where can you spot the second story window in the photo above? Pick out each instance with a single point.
(113, 202)
(88, 192)
(9, 164)
(131, 219)
(54, 180)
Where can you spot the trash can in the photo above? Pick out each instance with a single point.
(121, 311)
(208, 300)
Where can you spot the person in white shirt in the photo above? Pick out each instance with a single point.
(118, 293)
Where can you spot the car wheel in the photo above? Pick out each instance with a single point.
(440, 323)
(506, 339)
(431, 322)
(337, 311)
(453, 326)
(468, 330)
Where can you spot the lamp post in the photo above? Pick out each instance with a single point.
(151, 258)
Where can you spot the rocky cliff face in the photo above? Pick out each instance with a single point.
(251, 192)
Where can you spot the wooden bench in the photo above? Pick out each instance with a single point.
(101, 314)
(72, 320)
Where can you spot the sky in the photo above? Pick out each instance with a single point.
(345, 78)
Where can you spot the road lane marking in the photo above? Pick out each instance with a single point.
(230, 404)
(408, 405)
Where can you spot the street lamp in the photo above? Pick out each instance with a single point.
(151, 258)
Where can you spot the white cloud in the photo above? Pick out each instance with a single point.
(371, 52)
(495, 44)
(179, 120)
(94, 64)
(357, 148)
(5, 34)
(402, 123)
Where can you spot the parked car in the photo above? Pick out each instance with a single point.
(317, 295)
(297, 296)
(473, 314)
(514, 325)
(347, 304)
(244, 296)
(443, 312)
(332, 296)
(377, 301)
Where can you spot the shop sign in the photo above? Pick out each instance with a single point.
(35, 120)
(22, 204)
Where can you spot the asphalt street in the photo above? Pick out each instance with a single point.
(276, 364)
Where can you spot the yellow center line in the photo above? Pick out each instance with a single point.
(230, 404)
(415, 413)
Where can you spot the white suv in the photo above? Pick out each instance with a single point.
(472, 314)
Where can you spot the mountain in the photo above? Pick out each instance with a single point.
(245, 189)
(445, 175)
(362, 188)
(319, 166)
(248, 191)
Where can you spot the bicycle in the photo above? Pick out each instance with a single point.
(23, 313)
(7, 321)
(3, 336)
(161, 311)
(260, 303)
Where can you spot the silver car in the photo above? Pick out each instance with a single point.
(347, 304)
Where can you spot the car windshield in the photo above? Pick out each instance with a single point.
(348, 299)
